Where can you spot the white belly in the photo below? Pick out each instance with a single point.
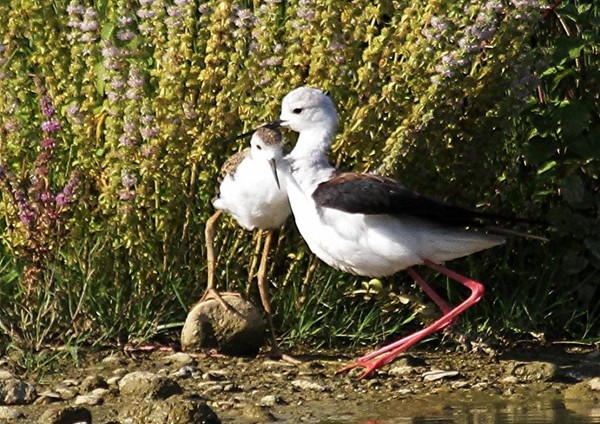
(378, 245)
(252, 197)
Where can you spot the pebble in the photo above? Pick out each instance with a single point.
(10, 413)
(181, 358)
(510, 379)
(146, 384)
(186, 371)
(14, 391)
(91, 400)
(92, 382)
(268, 400)
(435, 375)
(48, 396)
(534, 371)
(401, 370)
(65, 392)
(66, 415)
(308, 385)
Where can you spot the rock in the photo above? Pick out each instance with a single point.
(91, 400)
(434, 375)
(534, 371)
(210, 326)
(142, 384)
(92, 382)
(509, 379)
(181, 358)
(401, 370)
(588, 390)
(176, 409)
(10, 413)
(14, 391)
(308, 385)
(186, 371)
(270, 400)
(65, 392)
(66, 415)
(258, 414)
(48, 396)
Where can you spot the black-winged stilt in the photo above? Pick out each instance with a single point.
(251, 193)
(371, 225)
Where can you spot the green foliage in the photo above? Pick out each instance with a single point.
(121, 106)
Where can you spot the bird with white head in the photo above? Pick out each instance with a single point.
(370, 225)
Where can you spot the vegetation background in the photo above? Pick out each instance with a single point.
(112, 120)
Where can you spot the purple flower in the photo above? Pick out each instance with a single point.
(129, 127)
(123, 21)
(110, 51)
(149, 132)
(51, 125)
(132, 94)
(126, 195)
(306, 14)
(26, 216)
(175, 12)
(146, 13)
(75, 9)
(48, 143)
(45, 196)
(128, 180)
(136, 78)
(272, 61)
(10, 125)
(126, 140)
(125, 35)
(46, 107)
(61, 200)
(147, 118)
(148, 151)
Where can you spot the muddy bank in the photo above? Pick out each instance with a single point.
(156, 387)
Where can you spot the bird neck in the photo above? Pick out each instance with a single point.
(308, 161)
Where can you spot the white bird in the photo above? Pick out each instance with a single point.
(251, 193)
(370, 225)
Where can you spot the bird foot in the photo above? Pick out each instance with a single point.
(276, 353)
(369, 365)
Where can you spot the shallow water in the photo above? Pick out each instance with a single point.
(496, 411)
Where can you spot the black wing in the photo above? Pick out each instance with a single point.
(373, 195)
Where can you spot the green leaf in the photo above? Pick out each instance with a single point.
(575, 193)
(586, 147)
(574, 117)
(540, 149)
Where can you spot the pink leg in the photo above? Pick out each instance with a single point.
(382, 356)
(429, 291)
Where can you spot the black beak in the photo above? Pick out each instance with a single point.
(274, 169)
(271, 125)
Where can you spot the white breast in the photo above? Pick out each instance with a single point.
(251, 196)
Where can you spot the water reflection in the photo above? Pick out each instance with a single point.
(551, 411)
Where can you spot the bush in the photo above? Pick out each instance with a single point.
(113, 116)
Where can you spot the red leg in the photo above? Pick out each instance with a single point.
(382, 356)
(429, 291)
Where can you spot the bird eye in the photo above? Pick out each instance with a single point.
(297, 111)
(259, 147)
